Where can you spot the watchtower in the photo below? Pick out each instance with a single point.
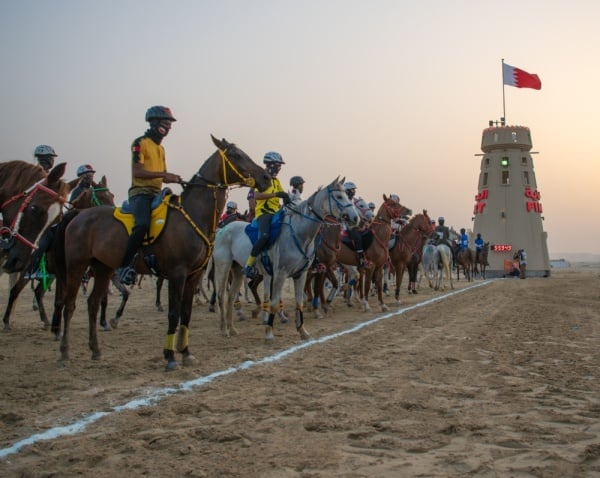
(508, 209)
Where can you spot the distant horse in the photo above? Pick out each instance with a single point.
(30, 200)
(482, 259)
(290, 255)
(93, 196)
(445, 267)
(408, 247)
(377, 252)
(465, 258)
(93, 237)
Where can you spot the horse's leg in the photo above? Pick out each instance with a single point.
(220, 286)
(159, 284)
(319, 288)
(176, 289)
(253, 285)
(15, 290)
(335, 285)
(379, 285)
(124, 297)
(365, 279)
(99, 292)
(299, 293)
(187, 302)
(103, 307)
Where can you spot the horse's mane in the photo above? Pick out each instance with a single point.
(17, 176)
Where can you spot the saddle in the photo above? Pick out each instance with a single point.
(367, 239)
(158, 220)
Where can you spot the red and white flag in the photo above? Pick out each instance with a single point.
(513, 76)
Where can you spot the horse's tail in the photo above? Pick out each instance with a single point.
(59, 243)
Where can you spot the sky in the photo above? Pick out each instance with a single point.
(390, 94)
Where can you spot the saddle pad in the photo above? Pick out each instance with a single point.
(157, 222)
(252, 228)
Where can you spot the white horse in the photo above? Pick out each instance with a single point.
(437, 265)
(291, 255)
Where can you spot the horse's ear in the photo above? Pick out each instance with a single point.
(385, 198)
(221, 144)
(103, 181)
(342, 180)
(56, 173)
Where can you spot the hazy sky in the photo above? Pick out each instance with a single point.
(393, 94)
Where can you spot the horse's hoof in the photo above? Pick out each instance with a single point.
(189, 359)
(96, 356)
(114, 323)
(384, 308)
(283, 319)
(211, 308)
(269, 335)
(105, 327)
(304, 335)
(6, 328)
(171, 366)
(34, 307)
(160, 308)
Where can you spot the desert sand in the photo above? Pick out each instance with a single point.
(498, 380)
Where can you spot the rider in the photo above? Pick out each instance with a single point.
(478, 246)
(231, 214)
(45, 156)
(464, 239)
(149, 172)
(355, 233)
(297, 184)
(85, 173)
(442, 231)
(267, 204)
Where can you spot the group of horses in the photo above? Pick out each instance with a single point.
(88, 239)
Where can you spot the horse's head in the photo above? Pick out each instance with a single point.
(391, 209)
(333, 201)
(96, 195)
(27, 215)
(234, 167)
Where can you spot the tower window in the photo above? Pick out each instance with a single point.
(485, 179)
(505, 178)
(526, 178)
(487, 161)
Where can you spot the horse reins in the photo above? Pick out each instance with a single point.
(13, 229)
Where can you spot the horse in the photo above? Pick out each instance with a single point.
(328, 244)
(444, 271)
(377, 252)
(408, 247)
(482, 259)
(93, 196)
(290, 255)
(30, 200)
(94, 237)
(465, 258)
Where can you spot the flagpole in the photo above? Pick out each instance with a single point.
(503, 98)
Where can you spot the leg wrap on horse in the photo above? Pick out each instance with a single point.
(183, 339)
(299, 317)
(170, 342)
(271, 319)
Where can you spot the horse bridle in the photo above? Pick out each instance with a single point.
(9, 233)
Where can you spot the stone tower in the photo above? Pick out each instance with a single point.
(508, 210)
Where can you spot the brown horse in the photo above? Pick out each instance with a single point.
(97, 194)
(465, 258)
(408, 247)
(328, 244)
(482, 259)
(30, 200)
(93, 237)
(377, 252)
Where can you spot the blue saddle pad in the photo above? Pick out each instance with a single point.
(126, 208)
(252, 228)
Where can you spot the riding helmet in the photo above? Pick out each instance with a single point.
(159, 113)
(273, 157)
(44, 150)
(296, 181)
(84, 169)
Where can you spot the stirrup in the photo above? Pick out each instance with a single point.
(127, 275)
(250, 271)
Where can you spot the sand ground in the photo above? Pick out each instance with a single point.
(501, 380)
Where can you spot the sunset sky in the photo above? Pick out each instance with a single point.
(392, 94)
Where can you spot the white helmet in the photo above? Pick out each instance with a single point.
(84, 169)
(273, 157)
(44, 150)
(231, 205)
(349, 185)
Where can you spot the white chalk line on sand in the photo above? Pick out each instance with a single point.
(154, 396)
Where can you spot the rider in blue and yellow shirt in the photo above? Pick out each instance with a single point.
(267, 204)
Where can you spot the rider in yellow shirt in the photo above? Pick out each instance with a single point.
(267, 204)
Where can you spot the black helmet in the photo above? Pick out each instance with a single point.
(159, 113)
(296, 181)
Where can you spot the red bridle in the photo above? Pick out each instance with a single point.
(26, 196)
